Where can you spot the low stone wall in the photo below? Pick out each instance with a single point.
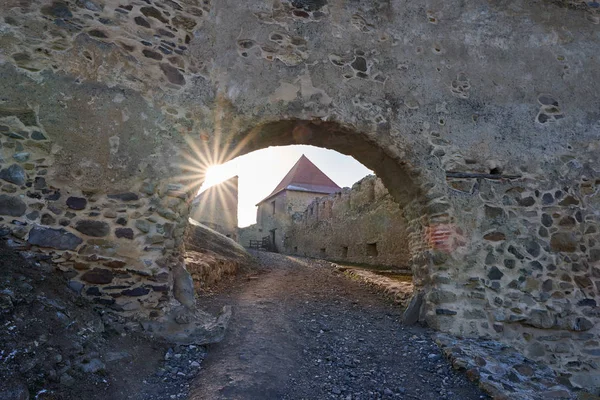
(211, 256)
(252, 232)
(359, 225)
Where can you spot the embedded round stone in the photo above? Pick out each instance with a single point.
(547, 220)
(36, 135)
(93, 291)
(76, 286)
(533, 248)
(93, 228)
(54, 238)
(126, 233)
(495, 274)
(76, 203)
(39, 183)
(582, 324)
(22, 156)
(129, 196)
(527, 202)
(98, 276)
(14, 174)
(48, 219)
(444, 311)
(12, 205)
(547, 199)
(495, 236)
(587, 303)
(564, 241)
(32, 216)
(142, 225)
(135, 292)
(173, 75)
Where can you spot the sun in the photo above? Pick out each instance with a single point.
(216, 174)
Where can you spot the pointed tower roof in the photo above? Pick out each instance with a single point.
(305, 177)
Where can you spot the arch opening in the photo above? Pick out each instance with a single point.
(387, 163)
(396, 173)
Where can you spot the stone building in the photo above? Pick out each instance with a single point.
(359, 225)
(217, 208)
(276, 212)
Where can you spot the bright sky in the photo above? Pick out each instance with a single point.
(260, 171)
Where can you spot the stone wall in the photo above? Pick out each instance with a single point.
(111, 245)
(471, 113)
(217, 208)
(359, 225)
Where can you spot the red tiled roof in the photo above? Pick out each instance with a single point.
(305, 177)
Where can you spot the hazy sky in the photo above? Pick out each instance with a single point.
(260, 171)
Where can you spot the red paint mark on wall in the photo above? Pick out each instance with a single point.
(439, 237)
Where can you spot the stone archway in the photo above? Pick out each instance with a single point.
(494, 106)
(425, 210)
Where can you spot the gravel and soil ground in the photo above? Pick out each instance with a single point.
(55, 345)
(300, 330)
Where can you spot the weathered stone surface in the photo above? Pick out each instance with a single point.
(93, 228)
(183, 287)
(54, 238)
(502, 371)
(185, 327)
(12, 205)
(412, 313)
(13, 174)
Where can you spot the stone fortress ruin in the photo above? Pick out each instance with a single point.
(480, 118)
(217, 208)
(308, 214)
(362, 224)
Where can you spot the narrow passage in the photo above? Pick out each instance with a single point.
(302, 331)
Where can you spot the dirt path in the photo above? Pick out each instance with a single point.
(301, 331)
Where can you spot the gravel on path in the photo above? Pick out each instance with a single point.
(302, 331)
